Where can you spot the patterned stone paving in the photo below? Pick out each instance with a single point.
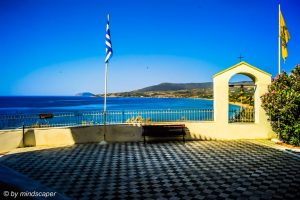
(173, 170)
(268, 143)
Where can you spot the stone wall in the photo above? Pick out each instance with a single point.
(125, 133)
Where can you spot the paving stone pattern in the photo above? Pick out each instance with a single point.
(172, 170)
(268, 143)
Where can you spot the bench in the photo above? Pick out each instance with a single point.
(164, 130)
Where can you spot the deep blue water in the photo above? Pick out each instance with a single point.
(16, 112)
(42, 104)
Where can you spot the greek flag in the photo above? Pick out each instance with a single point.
(108, 42)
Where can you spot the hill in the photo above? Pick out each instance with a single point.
(175, 86)
(86, 94)
(174, 90)
(242, 83)
(241, 91)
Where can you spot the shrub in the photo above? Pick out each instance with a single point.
(282, 105)
(138, 119)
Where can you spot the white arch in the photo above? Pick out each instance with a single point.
(221, 100)
(220, 128)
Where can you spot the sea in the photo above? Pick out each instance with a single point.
(46, 104)
(16, 111)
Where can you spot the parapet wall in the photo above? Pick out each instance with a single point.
(231, 131)
(12, 139)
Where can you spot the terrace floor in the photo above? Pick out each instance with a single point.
(172, 170)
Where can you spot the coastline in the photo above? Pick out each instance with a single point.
(241, 104)
(156, 97)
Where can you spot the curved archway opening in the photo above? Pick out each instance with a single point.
(241, 97)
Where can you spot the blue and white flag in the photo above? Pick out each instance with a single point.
(108, 45)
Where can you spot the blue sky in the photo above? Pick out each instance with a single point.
(56, 47)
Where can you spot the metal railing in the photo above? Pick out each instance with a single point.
(242, 115)
(87, 118)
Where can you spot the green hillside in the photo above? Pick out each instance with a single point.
(240, 92)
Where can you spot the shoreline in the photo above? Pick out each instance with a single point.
(241, 104)
(155, 97)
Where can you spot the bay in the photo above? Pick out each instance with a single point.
(16, 112)
(42, 104)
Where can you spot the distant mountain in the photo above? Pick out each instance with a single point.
(176, 86)
(244, 83)
(184, 90)
(86, 94)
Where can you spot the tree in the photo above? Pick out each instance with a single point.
(282, 105)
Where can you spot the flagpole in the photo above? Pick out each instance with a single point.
(279, 39)
(109, 52)
(105, 95)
